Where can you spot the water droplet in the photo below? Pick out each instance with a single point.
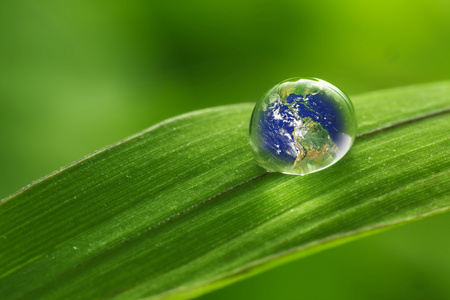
(302, 125)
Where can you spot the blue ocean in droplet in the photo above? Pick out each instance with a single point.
(321, 109)
(279, 122)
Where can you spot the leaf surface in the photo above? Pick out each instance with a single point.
(182, 208)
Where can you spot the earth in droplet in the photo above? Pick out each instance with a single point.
(302, 125)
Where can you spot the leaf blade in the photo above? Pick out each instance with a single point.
(159, 201)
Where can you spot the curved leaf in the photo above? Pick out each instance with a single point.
(182, 207)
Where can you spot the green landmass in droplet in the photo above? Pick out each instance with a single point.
(313, 142)
(311, 139)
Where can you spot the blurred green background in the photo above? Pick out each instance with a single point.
(76, 76)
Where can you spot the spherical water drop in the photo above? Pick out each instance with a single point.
(302, 125)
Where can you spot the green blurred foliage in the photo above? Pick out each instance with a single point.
(78, 75)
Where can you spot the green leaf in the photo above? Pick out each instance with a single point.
(182, 208)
